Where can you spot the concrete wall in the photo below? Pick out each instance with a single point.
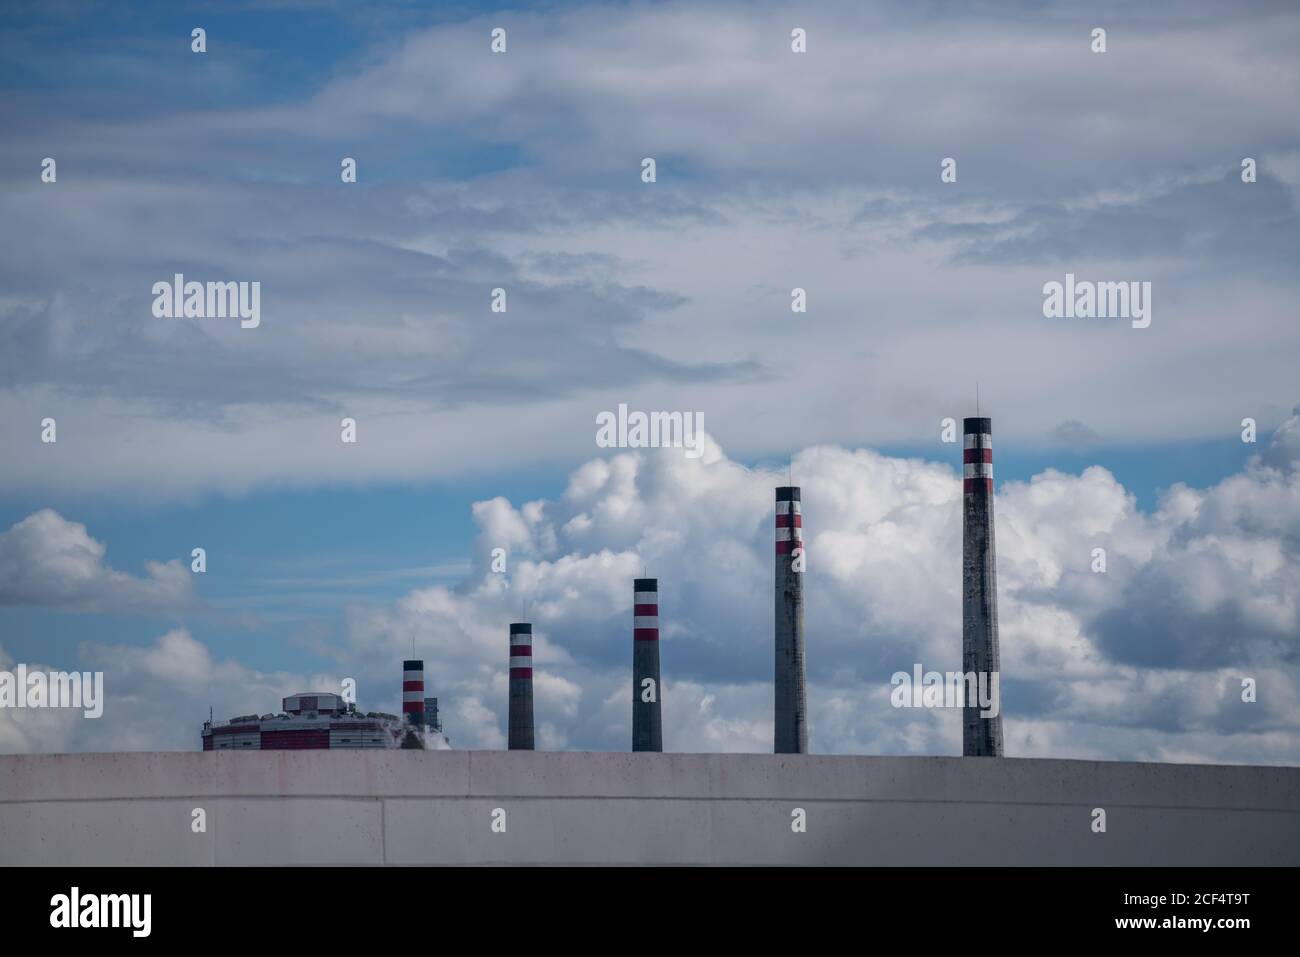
(435, 807)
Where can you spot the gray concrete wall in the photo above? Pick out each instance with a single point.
(435, 807)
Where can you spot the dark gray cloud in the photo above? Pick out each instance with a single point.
(1225, 225)
(340, 316)
(1074, 434)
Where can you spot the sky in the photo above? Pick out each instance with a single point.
(476, 429)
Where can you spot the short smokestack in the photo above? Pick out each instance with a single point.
(520, 737)
(981, 736)
(647, 720)
(791, 711)
(413, 703)
(413, 691)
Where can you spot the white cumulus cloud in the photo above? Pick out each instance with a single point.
(49, 561)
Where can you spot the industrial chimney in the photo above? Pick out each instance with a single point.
(791, 710)
(413, 703)
(981, 736)
(647, 720)
(520, 736)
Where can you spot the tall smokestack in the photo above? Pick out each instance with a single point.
(647, 720)
(791, 711)
(521, 687)
(981, 737)
(413, 702)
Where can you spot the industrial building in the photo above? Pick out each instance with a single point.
(322, 719)
(325, 721)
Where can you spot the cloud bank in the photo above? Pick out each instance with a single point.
(1144, 661)
(521, 172)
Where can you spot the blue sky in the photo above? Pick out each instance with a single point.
(522, 171)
